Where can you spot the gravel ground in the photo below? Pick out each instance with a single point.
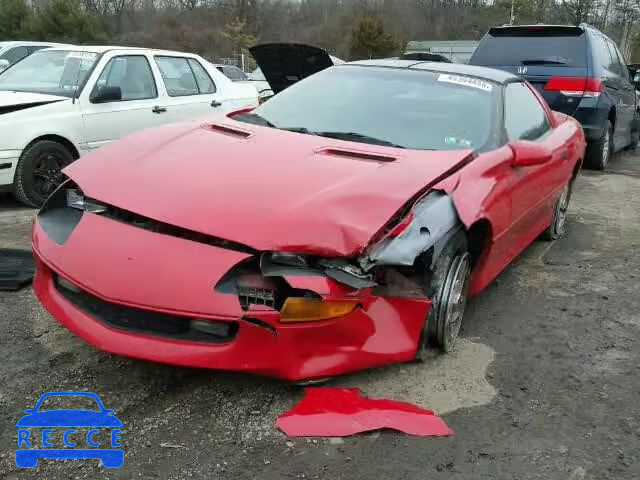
(543, 385)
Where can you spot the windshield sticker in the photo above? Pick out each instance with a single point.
(466, 81)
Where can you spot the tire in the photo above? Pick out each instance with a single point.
(635, 139)
(448, 288)
(558, 227)
(600, 151)
(38, 172)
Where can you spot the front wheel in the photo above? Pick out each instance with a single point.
(449, 288)
(39, 171)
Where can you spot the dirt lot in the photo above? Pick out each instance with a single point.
(544, 383)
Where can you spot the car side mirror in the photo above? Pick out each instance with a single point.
(4, 64)
(107, 94)
(526, 153)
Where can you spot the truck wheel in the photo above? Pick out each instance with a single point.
(635, 139)
(39, 171)
(449, 283)
(599, 152)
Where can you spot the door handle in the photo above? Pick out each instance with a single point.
(216, 104)
(564, 155)
(158, 109)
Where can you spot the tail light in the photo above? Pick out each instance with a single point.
(575, 86)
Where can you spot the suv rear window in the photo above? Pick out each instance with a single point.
(562, 46)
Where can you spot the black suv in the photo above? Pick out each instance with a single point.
(579, 71)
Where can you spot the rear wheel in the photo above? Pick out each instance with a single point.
(448, 287)
(558, 227)
(599, 152)
(39, 171)
(635, 139)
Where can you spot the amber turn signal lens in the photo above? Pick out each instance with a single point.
(313, 309)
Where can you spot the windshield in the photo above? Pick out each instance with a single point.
(55, 72)
(257, 75)
(415, 109)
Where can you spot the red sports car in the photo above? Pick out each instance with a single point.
(337, 227)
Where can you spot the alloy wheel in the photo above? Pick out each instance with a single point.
(454, 301)
(47, 174)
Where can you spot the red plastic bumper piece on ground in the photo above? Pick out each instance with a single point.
(339, 412)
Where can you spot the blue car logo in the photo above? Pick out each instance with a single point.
(63, 433)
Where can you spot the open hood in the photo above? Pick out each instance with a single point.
(262, 187)
(283, 64)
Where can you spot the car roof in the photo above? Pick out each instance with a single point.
(491, 74)
(108, 48)
(26, 43)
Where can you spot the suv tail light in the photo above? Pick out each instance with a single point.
(575, 86)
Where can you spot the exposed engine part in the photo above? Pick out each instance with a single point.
(434, 221)
(346, 273)
(256, 290)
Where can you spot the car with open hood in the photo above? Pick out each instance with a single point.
(280, 65)
(60, 103)
(339, 226)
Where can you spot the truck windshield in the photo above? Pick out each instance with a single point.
(54, 72)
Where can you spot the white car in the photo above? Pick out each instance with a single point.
(59, 104)
(12, 52)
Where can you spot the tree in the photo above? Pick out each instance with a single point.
(369, 39)
(14, 19)
(64, 20)
(237, 32)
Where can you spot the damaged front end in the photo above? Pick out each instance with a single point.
(397, 264)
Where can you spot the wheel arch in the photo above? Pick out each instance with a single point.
(479, 236)
(52, 137)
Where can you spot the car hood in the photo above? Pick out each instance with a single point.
(12, 101)
(283, 64)
(261, 187)
(69, 418)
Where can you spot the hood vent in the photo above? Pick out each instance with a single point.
(231, 131)
(367, 156)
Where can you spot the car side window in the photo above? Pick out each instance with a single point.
(132, 74)
(15, 54)
(524, 117)
(603, 54)
(234, 74)
(623, 65)
(179, 77)
(35, 48)
(205, 84)
(617, 66)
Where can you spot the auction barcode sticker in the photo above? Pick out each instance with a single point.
(466, 81)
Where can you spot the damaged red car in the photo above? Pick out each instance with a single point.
(339, 226)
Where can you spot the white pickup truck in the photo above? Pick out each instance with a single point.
(61, 103)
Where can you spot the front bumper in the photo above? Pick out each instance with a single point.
(128, 266)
